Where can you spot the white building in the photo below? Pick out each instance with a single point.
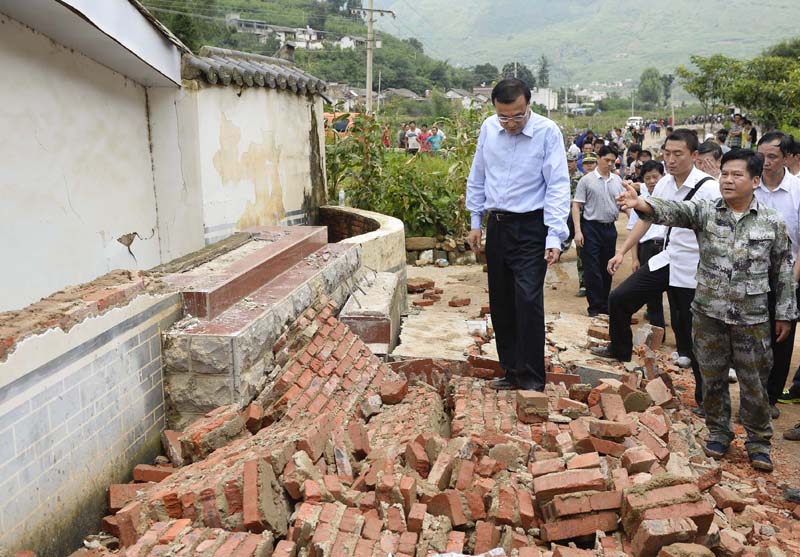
(545, 96)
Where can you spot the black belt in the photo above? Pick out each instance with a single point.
(657, 241)
(508, 215)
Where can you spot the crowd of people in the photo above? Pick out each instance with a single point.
(713, 223)
(413, 140)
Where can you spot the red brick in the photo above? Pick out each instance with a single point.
(408, 490)
(586, 460)
(148, 473)
(285, 548)
(561, 551)
(457, 302)
(358, 438)
(416, 516)
(613, 406)
(579, 526)
(487, 467)
(652, 535)
(128, 520)
(526, 511)
(466, 469)
(455, 542)
(372, 528)
(110, 525)
(251, 515)
(441, 471)
(487, 537)
(532, 406)
(685, 550)
(253, 416)
(598, 332)
(727, 498)
(638, 459)
(448, 503)
(120, 495)
(582, 502)
(569, 481)
(506, 505)
(364, 548)
(701, 513)
(611, 429)
(172, 532)
(659, 392)
(408, 543)
(606, 447)
(423, 303)
(395, 521)
(548, 466)
(393, 392)
(657, 423)
(171, 442)
(475, 504)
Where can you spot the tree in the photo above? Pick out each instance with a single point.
(544, 72)
(318, 16)
(415, 44)
(521, 71)
(666, 81)
(708, 82)
(785, 49)
(651, 88)
(485, 73)
(768, 89)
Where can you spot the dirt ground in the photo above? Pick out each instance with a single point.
(439, 327)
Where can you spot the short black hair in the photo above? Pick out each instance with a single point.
(712, 147)
(755, 161)
(606, 150)
(412, 122)
(784, 141)
(649, 166)
(689, 137)
(649, 154)
(635, 148)
(510, 89)
(721, 134)
(795, 147)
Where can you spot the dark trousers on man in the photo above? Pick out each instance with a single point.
(781, 354)
(599, 245)
(680, 312)
(515, 245)
(626, 299)
(655, 305)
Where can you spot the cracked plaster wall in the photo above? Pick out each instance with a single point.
(76, 168)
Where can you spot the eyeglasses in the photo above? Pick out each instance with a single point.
(517, 118)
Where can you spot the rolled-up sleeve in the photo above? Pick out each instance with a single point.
(476, 182)
(556, 200)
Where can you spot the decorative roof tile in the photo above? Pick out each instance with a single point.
(221, 66)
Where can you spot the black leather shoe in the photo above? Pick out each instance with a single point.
(605, 352)
(503, 384)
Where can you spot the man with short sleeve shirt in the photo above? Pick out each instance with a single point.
(595, 232)
(519, 179)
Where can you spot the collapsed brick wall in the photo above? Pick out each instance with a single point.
(341, 455)
(343, 224)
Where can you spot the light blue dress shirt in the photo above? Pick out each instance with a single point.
(521, 173)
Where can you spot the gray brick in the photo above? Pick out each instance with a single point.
(34, 467)
(102, 361)
(16, 511)
(16, 464)
(13, 415)
(7, 451)
(153, 399)
(50, 439)
(92, 389)
(47, 395)
(139, 357)
(75, 423)
(65, 406)
(148, 333)
(155, 346)
(78, 376)
(29, 431)
(129, 344)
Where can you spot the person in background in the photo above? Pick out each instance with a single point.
(412, 138)
(575, 176)
(588, 147)
(385, 139)
(594, 212)
(709, 155)
(735, 135)
(631, 160)
(721, 138)
(749, 134)
(572, 148)
(793, 161)
(401, 137)
(434, 141)
(424, 134)
(730, 316)
(778, 189)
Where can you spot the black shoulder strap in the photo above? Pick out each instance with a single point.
(689, 196)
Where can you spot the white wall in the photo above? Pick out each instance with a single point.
(76, 169)
(254, 154)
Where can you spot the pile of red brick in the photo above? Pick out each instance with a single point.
(344, 455)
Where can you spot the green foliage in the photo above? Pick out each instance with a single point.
(651, 87)
(767, 88)
(785, 49)
(485, 73)
(427, 193)
(521, 71)
(544, 72)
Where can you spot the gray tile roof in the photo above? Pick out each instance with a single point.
(221, 66)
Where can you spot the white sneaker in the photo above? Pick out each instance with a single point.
(683, 362)
(674, 356)
(732, 376)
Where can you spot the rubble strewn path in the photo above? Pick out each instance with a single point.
(342, 454)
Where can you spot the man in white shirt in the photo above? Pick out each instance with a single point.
(412, 139)
(779, 190)
(793, 160)
(673, 269)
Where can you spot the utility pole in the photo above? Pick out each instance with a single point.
(379, 91)
(370, 14)
(515, 70)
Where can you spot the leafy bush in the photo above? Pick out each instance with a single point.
(426, 192)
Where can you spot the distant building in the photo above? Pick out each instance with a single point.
(402, 93)
(546, 97)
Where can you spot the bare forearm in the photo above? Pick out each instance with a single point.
(576, 216)
(639, 229)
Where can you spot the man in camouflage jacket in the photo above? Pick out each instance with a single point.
(744, 253)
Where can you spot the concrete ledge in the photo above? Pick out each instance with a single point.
(374, 314)
(381, 237)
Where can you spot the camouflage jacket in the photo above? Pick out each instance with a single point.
(573, 181)
(740, 262)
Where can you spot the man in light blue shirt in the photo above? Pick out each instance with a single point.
(519, 178)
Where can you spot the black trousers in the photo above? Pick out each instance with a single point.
(781, 353)
(680, 311)
(599, 245)
(626, 299)
(655, 305)
(515, 247)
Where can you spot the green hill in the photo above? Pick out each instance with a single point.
(588, 40)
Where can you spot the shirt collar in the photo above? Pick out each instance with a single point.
(753, 208)
(784, 185)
